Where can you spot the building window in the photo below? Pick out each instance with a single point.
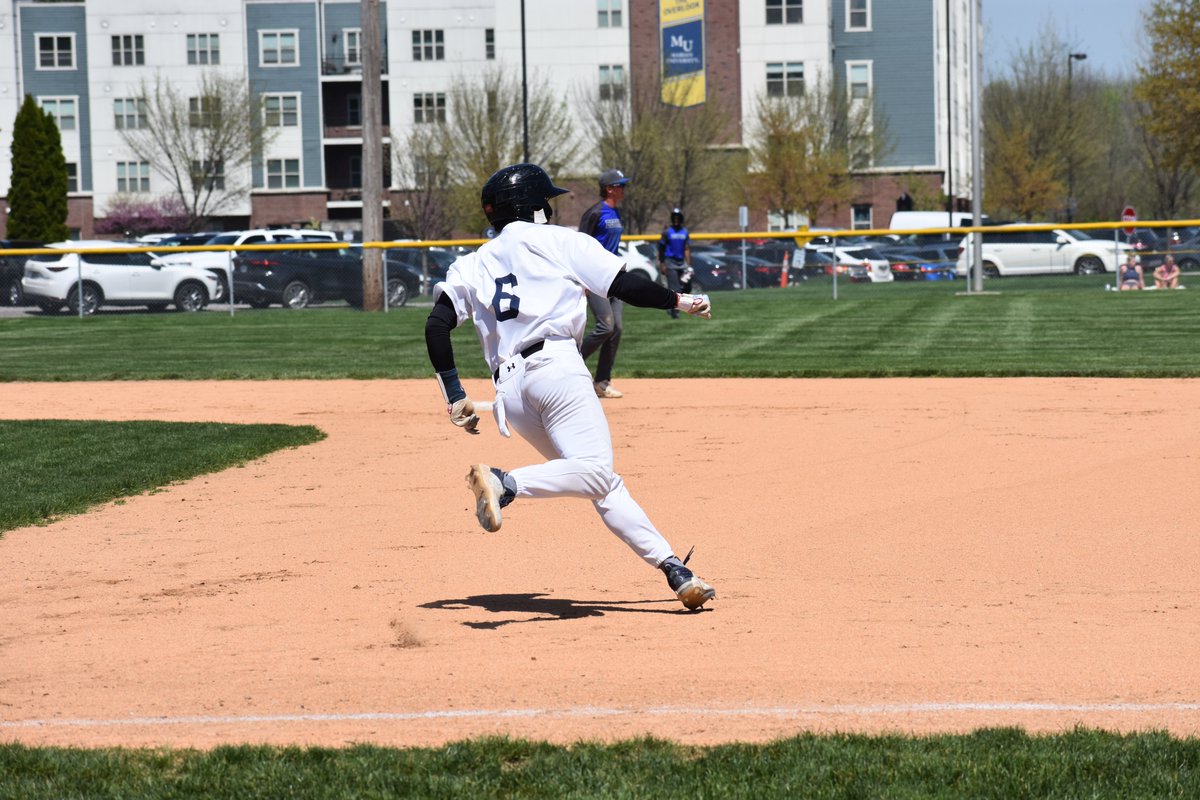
(612, 82)
(785, 79)
(779, 221)
(489, 44)
(429, 45)
(62, 109)
(204, 112)
(277, 49)
(355, 172)
(354, 110)
(281, 110)
(210, 173)
(429, 107)
(204, 48)
(608, 13)
(56, 51)
(352, 44)
(128, 50)
(130, 113)
(785, 12)
(858, 15)
(858, 73)
(72, 177)
(283, 173)
(133, 176)
(860, 217)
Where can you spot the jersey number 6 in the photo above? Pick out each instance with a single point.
(514, 302)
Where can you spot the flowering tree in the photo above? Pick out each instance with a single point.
(132, 216)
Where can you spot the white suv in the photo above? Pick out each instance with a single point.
(1009, 252)
(113, 279)
(219, 262)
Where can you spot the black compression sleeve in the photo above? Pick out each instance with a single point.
(637, 291)
(438, 324)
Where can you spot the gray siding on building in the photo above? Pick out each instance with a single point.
(59, 18)
(304, 78)
(900, 45)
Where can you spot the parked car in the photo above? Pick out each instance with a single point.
(217, 261)
(807, 262)
(12, 269)
(936, 263)
(187, 239)
(1187, 255)
(300, 278)
(759, 271)
(711, 274)
(1013, 252)
(436, 261)
(860, 264)
(640, 258)
(113, 279)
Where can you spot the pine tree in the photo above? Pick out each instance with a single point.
(38, 190)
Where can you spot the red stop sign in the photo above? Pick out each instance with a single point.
(1129, 215)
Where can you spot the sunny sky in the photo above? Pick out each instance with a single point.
(1109, 31)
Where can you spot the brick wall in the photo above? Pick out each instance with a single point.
(276, 209)
(79, 217)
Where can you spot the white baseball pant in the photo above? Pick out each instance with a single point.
(552, 404)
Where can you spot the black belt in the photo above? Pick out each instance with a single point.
(526, 353)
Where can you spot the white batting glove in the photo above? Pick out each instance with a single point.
(462, 414)
(695, 304)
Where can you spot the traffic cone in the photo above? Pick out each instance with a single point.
(783, 273)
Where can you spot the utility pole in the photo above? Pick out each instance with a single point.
(372, 156)
(1071, 59)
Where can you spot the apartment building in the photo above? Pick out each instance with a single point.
(89, 63)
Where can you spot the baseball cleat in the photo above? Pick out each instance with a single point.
(490, 495)
(691, 591)
(605, 390)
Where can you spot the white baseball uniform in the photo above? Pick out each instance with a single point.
(525, 287)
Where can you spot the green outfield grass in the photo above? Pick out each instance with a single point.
(1003, 764)
(1033, 326)
(50, 468)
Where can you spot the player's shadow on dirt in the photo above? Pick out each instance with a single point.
(548, 609)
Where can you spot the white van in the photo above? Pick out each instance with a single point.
(919, 220)
(1015, 252)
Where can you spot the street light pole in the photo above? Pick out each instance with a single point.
(524, 89)
(1071, 59)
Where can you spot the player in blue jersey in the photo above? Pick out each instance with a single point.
(603, 221)
(675, 256)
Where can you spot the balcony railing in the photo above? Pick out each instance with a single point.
(343, 66)
(351, 131)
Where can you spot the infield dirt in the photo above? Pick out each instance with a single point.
(889, 555)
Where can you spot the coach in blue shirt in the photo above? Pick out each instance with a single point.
(603, 221)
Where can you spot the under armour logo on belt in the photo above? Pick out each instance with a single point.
(510, 367)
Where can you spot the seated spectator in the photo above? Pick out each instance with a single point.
(1131, 275)
(1166, 275)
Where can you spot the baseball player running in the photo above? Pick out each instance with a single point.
(525, 293)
